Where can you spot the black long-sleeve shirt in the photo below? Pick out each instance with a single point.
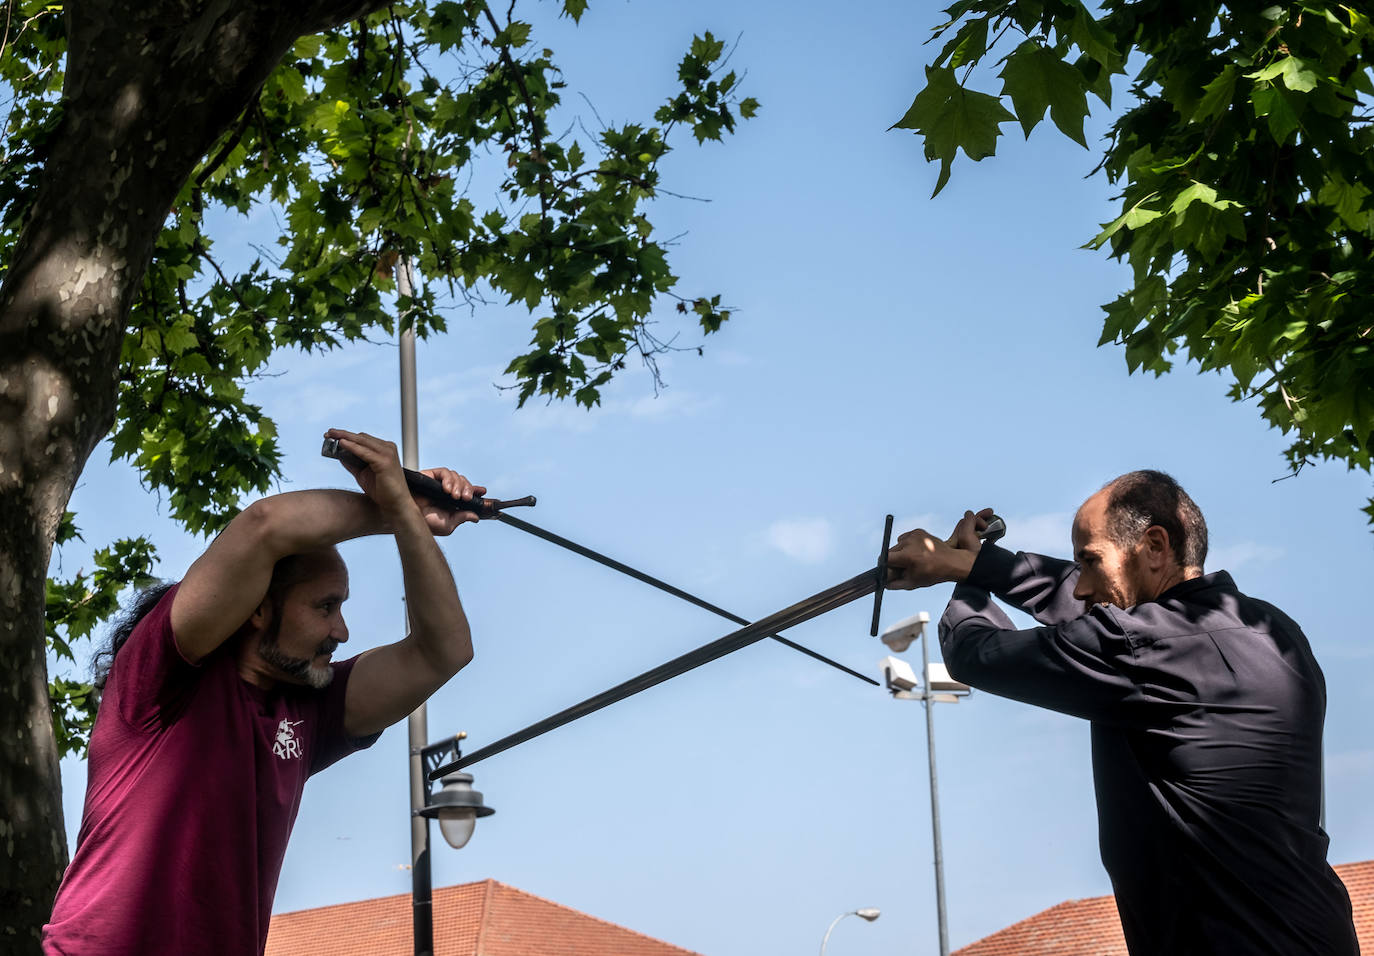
(1206, 708)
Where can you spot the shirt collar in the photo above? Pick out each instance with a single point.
(1217, 579)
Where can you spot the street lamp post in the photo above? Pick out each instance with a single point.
(935, 686)
(868, 913)
(456, 806)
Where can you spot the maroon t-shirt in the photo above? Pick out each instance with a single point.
(194, 779)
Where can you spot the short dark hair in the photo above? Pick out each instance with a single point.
(1141, 499)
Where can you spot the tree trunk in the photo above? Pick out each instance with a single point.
(149, 87)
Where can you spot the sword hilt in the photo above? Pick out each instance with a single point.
(424, 485)
(881, 576)
(996, 529)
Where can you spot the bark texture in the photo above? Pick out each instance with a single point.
(148, 89)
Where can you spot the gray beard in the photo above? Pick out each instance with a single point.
(300, 669)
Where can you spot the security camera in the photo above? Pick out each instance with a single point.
(898, 673)
(899, 636)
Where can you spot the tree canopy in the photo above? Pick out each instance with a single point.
(430, 136)
(362, 140)
(1244, 155)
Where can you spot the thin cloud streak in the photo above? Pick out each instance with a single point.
(804, 540)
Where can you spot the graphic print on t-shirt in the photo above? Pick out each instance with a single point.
(288, 746)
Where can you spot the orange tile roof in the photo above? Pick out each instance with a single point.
(1076, 928)
(1091, 927)
(1359, 882)
(473, 919)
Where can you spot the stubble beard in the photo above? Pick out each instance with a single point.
(302, 670)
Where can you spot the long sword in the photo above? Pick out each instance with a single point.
(817, 604)
(490, 508)
(814, 606)
(648, 579)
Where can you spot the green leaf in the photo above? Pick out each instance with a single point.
(1198, 192)
(67, 529)
(1295, 73)
(1093, 39)
(179, 338)
(1035, 78)
(515, 36)
(1349, 202)
(966, 46)
(951, 118)
(1297, 76)
(1217, 95)
(1133, 218)
(707, 48)
(1272, 102)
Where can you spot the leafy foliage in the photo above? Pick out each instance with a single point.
(74, 609)
(1245, 161)
(423, 134)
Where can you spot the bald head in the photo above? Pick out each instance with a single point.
(1139, 500)
(1136, 538)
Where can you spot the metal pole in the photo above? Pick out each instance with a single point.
(418, 723)
(934, 799)
(833, 923)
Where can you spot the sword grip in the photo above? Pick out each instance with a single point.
(430, 488)
(995, 529)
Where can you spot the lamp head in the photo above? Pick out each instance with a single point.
(899, 636)
(457, 807)
(898, 674)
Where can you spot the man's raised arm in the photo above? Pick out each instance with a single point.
(228, 582)
(387, 683)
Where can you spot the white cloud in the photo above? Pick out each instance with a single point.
(438, 395)
(1232, 556)
(312, 401)
(668, 404)
(730, 357)
(1046, 533)
(935, 524)
(567, 416)
(807, 540)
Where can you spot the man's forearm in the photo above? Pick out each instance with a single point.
(299, 521)
(1041, 586)
(438, 625)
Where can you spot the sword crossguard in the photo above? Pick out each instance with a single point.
(881, 574)
(995, 529)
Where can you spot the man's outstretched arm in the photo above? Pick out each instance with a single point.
(1075, 666)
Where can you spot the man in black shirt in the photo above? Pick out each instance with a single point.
(1206, 708)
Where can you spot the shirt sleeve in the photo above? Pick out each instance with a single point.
(333, 742)
(1075, 663)
(149, 679)
(1039, 585)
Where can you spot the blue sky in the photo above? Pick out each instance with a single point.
(889, 353)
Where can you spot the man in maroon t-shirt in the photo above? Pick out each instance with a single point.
(221, 699)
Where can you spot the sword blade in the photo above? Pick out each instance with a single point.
(817, 604)
(649, 579)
